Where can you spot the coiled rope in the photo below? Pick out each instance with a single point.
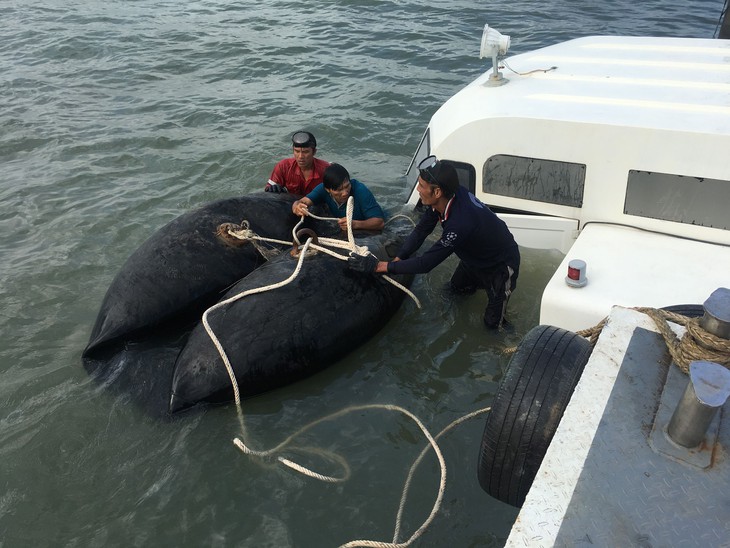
(695, 344)
(244, 232)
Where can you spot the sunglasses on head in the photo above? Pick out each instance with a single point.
(429, 169)
(302, 139)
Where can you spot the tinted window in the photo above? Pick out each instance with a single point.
(690, 200)
(534, 179)
(467, 175)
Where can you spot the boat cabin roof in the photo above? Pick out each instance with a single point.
(627, 130)
(669, 84)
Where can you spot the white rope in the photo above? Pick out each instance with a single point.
(245, 233)
(400, 215)
(234, 298)
(350, 245)
(353, 247)
(407, 485)
(431, 445)
(439, 496)
(360, 250)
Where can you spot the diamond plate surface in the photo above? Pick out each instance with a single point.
(602, 483)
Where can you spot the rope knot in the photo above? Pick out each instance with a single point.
(233, 234)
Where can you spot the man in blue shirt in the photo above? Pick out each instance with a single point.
(335, 189)
(490, 258)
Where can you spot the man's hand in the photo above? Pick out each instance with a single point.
(300, 208)
(275, 188)
(362, 263)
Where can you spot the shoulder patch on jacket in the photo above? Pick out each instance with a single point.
(448, 239)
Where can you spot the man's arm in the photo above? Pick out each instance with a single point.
(277, 179)
(382, 267)
(373, 223)
(374, 217)
(435, 255)
(313, 198)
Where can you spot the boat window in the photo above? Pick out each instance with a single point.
(467, 175)
(534, 179)
(423, 151)
(683, 199)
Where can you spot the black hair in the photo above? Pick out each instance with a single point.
(334, 176)
(442, 174)
(448, 179)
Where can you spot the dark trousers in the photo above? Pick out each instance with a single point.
(499, 283)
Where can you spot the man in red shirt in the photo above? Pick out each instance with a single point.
(303, 172)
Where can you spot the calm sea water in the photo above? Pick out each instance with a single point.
(117, 117)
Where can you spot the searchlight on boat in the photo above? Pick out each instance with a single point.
(494, 43)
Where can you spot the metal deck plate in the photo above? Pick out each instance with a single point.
(602, 483)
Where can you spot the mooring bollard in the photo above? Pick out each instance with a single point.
(709, 383)
(706, 393)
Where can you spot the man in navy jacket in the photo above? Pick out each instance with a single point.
(490, 258)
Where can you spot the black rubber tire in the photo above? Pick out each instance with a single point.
(689, 310)
(527, 409)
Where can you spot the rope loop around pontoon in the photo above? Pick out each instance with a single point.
(240, 234)
(275, 451)
(245, 233)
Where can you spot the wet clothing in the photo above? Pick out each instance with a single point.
(490, 258)
(287, 173)
(365, 207)
(498, 283)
